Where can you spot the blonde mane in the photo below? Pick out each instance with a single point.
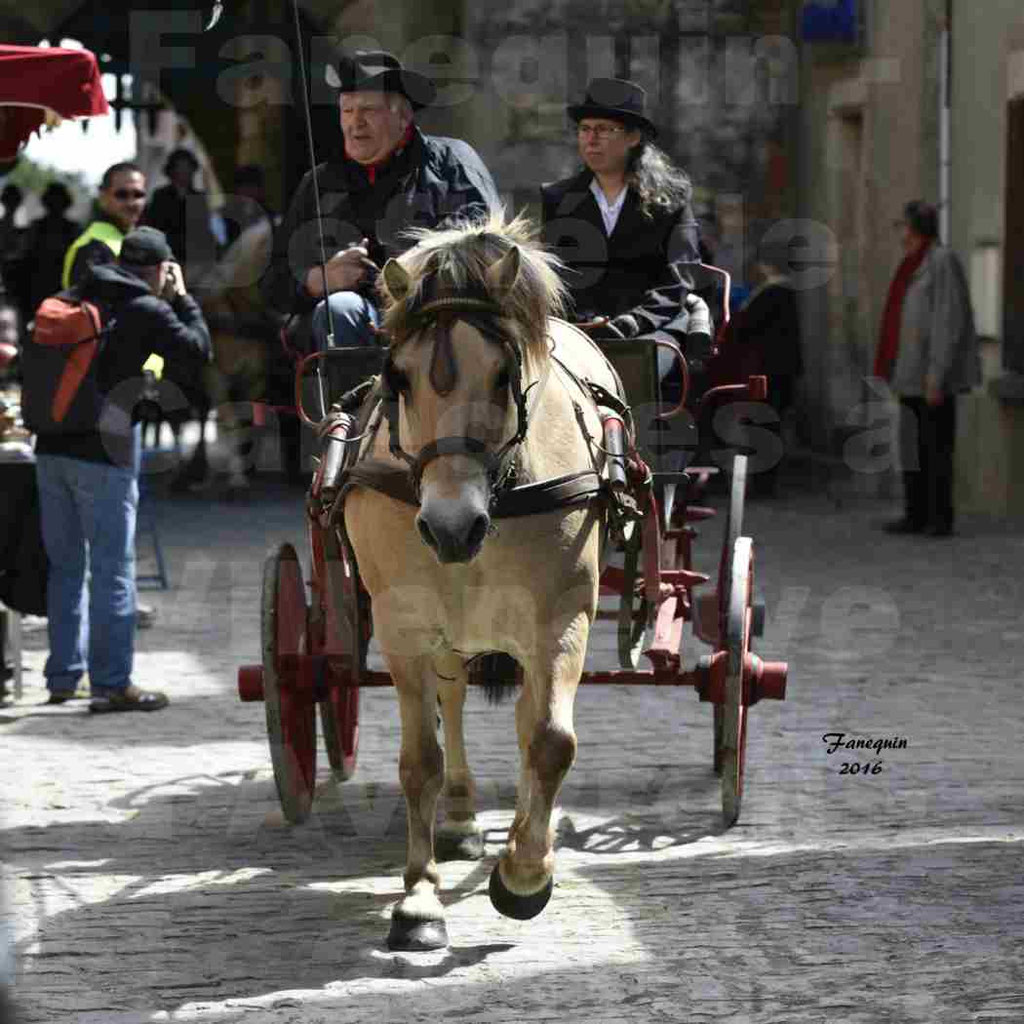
(453, 262)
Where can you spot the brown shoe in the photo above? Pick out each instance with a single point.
(131, 698)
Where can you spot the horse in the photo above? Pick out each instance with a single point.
(495, 543)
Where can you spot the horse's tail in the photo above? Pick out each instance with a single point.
(498, 673)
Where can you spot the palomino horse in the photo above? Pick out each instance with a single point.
(488, 390)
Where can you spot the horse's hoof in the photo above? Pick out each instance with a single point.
(522, 908)
(416, 934)
(459, 845)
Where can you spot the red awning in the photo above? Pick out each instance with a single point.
(35, 81)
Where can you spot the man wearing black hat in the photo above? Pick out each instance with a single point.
(391, 178)
(88, 479)
(623, 225)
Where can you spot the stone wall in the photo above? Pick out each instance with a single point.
(720, 76)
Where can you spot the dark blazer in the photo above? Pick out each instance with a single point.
(611, 275)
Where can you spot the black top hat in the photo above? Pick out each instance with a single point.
(380, 71)
(616, 99)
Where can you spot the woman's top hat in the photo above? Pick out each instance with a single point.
(379, 71)
(616, 99)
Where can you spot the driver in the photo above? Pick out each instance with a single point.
(623, 225)
(391, 177)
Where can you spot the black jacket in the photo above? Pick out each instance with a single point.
(427, 182)
(141, 324)
(92, 254)
(49, 239)
(185, 220)
(638, 270)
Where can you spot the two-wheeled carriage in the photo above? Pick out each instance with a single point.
(314, 651)
(463, 512)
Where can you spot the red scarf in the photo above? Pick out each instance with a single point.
(889, 339)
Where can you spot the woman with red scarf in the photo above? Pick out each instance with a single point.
(928, 351)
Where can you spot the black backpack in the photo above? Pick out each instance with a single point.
(60, 391)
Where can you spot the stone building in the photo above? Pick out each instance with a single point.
(818, 119)
(923, 100)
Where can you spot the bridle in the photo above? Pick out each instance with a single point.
(441, 315)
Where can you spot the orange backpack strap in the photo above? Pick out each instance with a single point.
(60, 322)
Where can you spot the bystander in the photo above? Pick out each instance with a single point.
(928, 350)
(49, 238)
(88, 482)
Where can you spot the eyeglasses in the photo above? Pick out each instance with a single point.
(123, 194)
(601, 132)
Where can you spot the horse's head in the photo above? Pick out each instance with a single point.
(467, 314)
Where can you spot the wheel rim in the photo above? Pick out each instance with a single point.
(347, 625)
(291, 722)
(733, 529)
(734, 710)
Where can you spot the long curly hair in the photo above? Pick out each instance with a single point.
(659, 184)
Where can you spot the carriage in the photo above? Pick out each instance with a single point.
(315, 651)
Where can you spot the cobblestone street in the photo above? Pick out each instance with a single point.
(150, 877)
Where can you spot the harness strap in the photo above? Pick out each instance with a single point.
(525, 500)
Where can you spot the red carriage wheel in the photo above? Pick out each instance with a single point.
(734, 709)
(347, 624)
(733, 529)
(291, 724)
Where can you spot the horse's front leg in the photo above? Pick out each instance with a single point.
(417, 922)
(459, 837)
(522, 880)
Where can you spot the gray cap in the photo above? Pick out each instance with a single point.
(145, 247)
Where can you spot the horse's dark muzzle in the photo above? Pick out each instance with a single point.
(454, 536)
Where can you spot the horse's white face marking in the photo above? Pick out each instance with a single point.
(479, 407)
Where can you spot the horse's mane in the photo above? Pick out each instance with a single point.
(454, 262)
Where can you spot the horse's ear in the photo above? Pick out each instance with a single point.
(502, 274)
(397, 280)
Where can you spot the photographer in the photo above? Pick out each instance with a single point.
(88, 474)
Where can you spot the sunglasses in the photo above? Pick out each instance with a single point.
(123, 194)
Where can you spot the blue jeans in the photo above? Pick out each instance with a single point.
(88, 520)
(352, 317)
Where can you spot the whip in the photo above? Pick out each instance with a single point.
(316, 198)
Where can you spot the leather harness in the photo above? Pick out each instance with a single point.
(379, 404)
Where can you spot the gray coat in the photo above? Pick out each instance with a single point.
(937, 329)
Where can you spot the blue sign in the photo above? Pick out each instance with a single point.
(829, 21)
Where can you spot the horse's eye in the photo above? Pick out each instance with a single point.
(501, 381)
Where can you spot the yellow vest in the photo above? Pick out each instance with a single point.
(113, 236)
(97, 231)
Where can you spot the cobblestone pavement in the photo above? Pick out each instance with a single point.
(150, 877)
